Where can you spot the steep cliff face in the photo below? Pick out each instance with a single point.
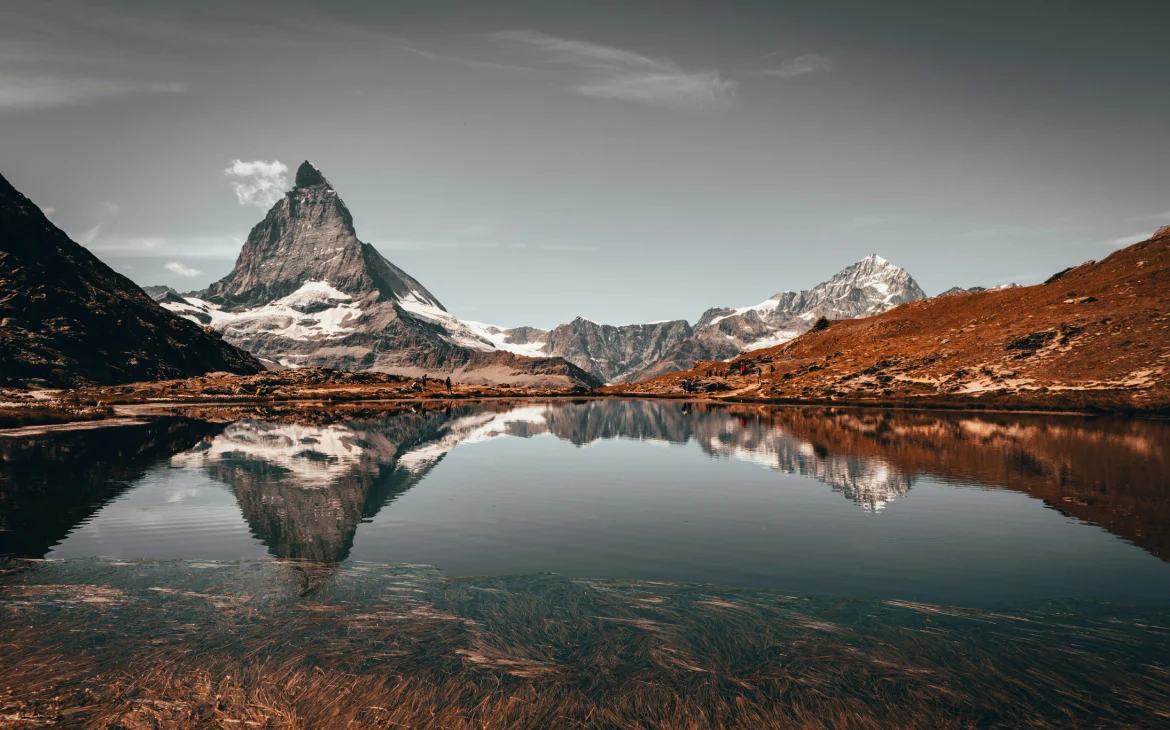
(613, 353)
(67, 319)
(305, 291)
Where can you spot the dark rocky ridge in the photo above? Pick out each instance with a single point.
(67, 319)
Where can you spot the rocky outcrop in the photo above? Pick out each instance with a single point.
(67, 319)
(614, 353)
(159, 292)
(306, 292)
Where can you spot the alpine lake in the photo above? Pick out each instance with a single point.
(590, 563)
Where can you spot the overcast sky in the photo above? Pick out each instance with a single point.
(534, 161)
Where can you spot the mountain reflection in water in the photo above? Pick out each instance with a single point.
(305, 488)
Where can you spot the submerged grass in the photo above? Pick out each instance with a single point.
(292, 645)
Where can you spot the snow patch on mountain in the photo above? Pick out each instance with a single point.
(315, 311)
(458, 332)
(498, 338)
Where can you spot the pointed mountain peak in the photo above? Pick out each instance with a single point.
(308, 175)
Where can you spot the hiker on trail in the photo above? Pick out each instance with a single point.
(424, 379)
(448, 383)
(759, 375)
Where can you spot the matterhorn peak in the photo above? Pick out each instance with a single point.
(308, 175)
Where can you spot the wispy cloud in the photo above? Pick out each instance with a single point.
(563, 247)
(177, 267)
(108, 211)
(24, 91)
(259, 183)
(203, 246)
(605, 72)
(462, 60)
(796, 66)
(865, 221)
(1131, 239)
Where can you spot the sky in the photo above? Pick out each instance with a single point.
(530, 162)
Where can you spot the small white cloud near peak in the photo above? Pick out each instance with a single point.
(797, 66)
(259, 183)
(177, 267)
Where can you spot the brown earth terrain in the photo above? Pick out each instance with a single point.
(1095, 337)
(222, 395)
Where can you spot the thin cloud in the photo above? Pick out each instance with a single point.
(564, 247)
(260, 183)
(1130, 239)
(606, 72)
(109, 211)
(177, 267)
(463, 60)
(24, 92)
(207, 246)
(797, 66)
(865, 221)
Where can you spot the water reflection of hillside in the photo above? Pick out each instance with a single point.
(49, 484)
(1110, 472)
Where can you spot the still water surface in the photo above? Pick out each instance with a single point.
(948, 508)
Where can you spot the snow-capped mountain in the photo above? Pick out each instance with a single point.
(630, 353)
(305, 291)
(870, 286)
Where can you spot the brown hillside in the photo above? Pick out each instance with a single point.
(1094, 337)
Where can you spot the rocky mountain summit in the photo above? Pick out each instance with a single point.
(305, 291)
(630, 353)
(67, 319)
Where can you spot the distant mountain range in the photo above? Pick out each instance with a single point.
(629, 353)
(305, 291)
(67, 319)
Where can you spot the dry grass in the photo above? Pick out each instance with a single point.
(281, 645)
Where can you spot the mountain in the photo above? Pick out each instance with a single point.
(67, 319)
(629, 353)
(1096, 337)
(305, 291)
(870, 286)
(159, 293)
(961, 290)
(612, 353)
